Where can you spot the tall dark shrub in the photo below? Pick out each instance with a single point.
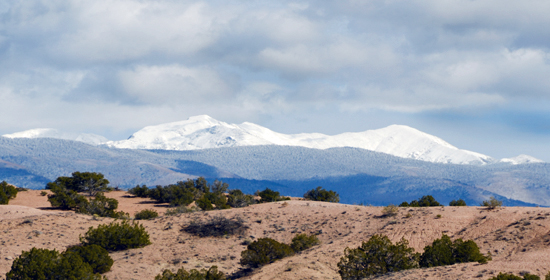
(138, 191)
(65, 199)
(102, 206)
(7, 192)
(238, 199)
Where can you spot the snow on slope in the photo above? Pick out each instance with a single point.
(88, 138)
(203, 132)
(521, 159)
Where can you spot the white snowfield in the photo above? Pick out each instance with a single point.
(521, 159)
(203, 132)
(88, 138)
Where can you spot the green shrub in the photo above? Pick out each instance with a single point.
(101, 206)
(138, 191)
(216, 226)
(530, 277)
(43, 193)
(377, 256)
(445, 252)
(117, 236)
(146, 214)
(183, 193)
(96, 256)
(65, 199)
(425, 201)
(238, 199)
(211, 274)
(320, 194)
(269, 195)
(264, 251)
(459, 202)
(204, 204)
(49, 264)
(7, 192)
(302, 242)
(89, 182)
(507, 276)
(492, 203)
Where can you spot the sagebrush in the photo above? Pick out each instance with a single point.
(216, 226)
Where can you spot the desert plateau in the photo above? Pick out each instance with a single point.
(518, 238)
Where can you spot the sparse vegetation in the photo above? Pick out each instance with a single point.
(320, 194)
(425, 201)
(377, 256)
(492, 203)
(43, 193)
(508, 276)
(146, 214)
(459, 202)
(390, 211)
(264, 251)
(117, 236)
(50, 264)
(7, 192)
(216, 226)
(180, 210)
(211, 274)
(302, 242)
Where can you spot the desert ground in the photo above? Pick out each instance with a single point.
(517, 237)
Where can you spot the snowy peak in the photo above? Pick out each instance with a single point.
(87, 138)
(204, 132)
(521, 159)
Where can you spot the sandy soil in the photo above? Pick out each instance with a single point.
(517, 237)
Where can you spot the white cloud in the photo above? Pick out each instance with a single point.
(175, 84)
(248, 59)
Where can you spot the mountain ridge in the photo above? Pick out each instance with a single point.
(204, 132)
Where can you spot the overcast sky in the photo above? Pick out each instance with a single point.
(474, 73)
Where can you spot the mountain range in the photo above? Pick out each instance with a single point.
(391, 165)
(204, 132)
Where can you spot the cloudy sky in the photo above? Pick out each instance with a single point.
(475, 73)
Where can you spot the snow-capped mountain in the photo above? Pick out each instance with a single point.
(92, 139)
(203, 132)
(521, 159)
